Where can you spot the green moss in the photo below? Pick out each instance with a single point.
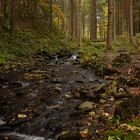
(26, 42)
(135, 122)
(92, 54)
(122, 133)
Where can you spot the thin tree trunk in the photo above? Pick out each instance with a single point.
(8, 11)
(131, 23)
(50, 15)
(110, 22)
(93, 21)
(114, 20)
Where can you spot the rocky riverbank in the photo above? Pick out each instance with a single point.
(60, 100)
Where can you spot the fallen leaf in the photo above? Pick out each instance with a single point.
(84, 133)
(129, 127)
(22, 116)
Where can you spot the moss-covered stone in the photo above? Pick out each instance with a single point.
(127, 109)
(122, 60)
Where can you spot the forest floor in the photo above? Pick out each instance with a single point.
(128, 65)
(60, 100)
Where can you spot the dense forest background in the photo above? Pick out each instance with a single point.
(79, 19)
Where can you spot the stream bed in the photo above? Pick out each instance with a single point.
(55, 101)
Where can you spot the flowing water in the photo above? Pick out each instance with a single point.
(34, 108)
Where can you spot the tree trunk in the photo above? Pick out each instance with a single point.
(114, 20)
(8, 12)
(131, 22)
(110, 23)
(79, 23)
(93, 21)
(50, 15)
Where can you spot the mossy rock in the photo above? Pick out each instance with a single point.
(137, 73)
(86, 105)
(120, 134)
(100, 68)
(122, 60)
(97, 66)
(128, 109)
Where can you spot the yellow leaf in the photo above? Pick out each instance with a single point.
(22, 116)
(67, 96)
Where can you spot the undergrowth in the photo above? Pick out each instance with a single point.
(24, 43)
(124, 131)
(122, 42)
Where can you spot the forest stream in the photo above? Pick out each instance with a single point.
(53, 101)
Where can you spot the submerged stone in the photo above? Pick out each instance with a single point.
(86, 105)
(2, 122)
(69, 135)
(17, 136)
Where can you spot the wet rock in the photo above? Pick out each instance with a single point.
(86, 106)
(82, 122)
(3, 103)
(17, 122)
(68, 135)
(101, 89)
(17, 136)
(77, 95)
(122, 96)
(111, 99)
(80, 81)
(77, 114)
(19, 93)
(57, 80)
(58, 89)
(2, 122)
(5, 128)
(90, 97)
(102, 101)
(54, 124)
(93, 129)
(84, 91)
(15, 83)
(76, 62)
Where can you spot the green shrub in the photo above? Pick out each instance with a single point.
(137, 40)
(126, 131)
(122, 41)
